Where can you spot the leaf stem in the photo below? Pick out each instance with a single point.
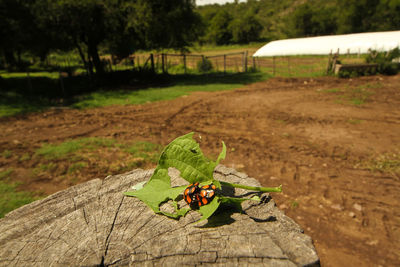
(255, 188)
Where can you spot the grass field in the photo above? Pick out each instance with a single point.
(183, 85)
(10, 197)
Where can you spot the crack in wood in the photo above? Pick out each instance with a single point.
(107, 243)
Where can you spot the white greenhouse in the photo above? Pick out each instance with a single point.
(357, 43)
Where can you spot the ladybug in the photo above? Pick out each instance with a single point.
(191, 194)
(207, 194)
(196, 196)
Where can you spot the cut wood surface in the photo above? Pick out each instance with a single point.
(94, 224)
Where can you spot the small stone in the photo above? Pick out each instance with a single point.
(337, 207)
(273, 178)
(372, 242)
(239, 166)
(283, 206)
(325, 165)
(357, 207)
(352, 214)
(333, 175)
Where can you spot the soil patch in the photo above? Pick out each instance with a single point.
(332, 143)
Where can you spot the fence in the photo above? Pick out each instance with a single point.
(188, 63)
(295, 66)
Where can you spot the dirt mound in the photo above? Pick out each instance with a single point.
(332, 143)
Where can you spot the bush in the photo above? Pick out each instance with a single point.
(204, 65)
(384, 61)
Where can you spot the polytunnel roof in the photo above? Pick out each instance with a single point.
(323, 45)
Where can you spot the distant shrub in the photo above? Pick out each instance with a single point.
(385, 61)
(204, 65)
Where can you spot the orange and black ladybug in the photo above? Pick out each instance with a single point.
(191, 194)
(207, 194)
(197, 196)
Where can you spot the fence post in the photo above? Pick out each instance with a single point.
(224, 64)
(184, 62)
(162, 63)
(254, 63)
(152, 63)
(166, 63)
(288, 65)
(110, 65)
(273, 66)
(329, 67)
(245, 61)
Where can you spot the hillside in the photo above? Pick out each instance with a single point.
(300, 18)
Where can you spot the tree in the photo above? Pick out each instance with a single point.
(246, 29)
(16, 30)
(307, 20)
(387, 17)
(218, 30)
(116, 26)
(356, 15)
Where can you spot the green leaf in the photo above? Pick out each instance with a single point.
(222, 155)
(185, 155)
(139, 186)
(158, 190)
(207, 210)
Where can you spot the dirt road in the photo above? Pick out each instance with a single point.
(319, 138)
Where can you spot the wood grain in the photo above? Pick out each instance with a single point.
(94, 224)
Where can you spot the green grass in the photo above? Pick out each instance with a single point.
(25, 157)
(19, 99)
(74, 167)
(387, 162)
(10, 197)
(57, 151)
(43, 168)
(20, 106)
(5, 174)
(99, 154)
(51, 75)
(6, 154)
(354, 121)
(354, 96)
(294, 204)
(184, 85)
(73, 161)
(358, 96)
(197, 49)
(145, 150)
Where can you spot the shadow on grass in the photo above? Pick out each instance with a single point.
(28, 94)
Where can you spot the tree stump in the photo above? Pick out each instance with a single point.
(94, 224)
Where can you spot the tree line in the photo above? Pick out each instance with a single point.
(121, 27)
(266, 20)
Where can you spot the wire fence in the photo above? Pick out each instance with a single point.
(293, 66)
